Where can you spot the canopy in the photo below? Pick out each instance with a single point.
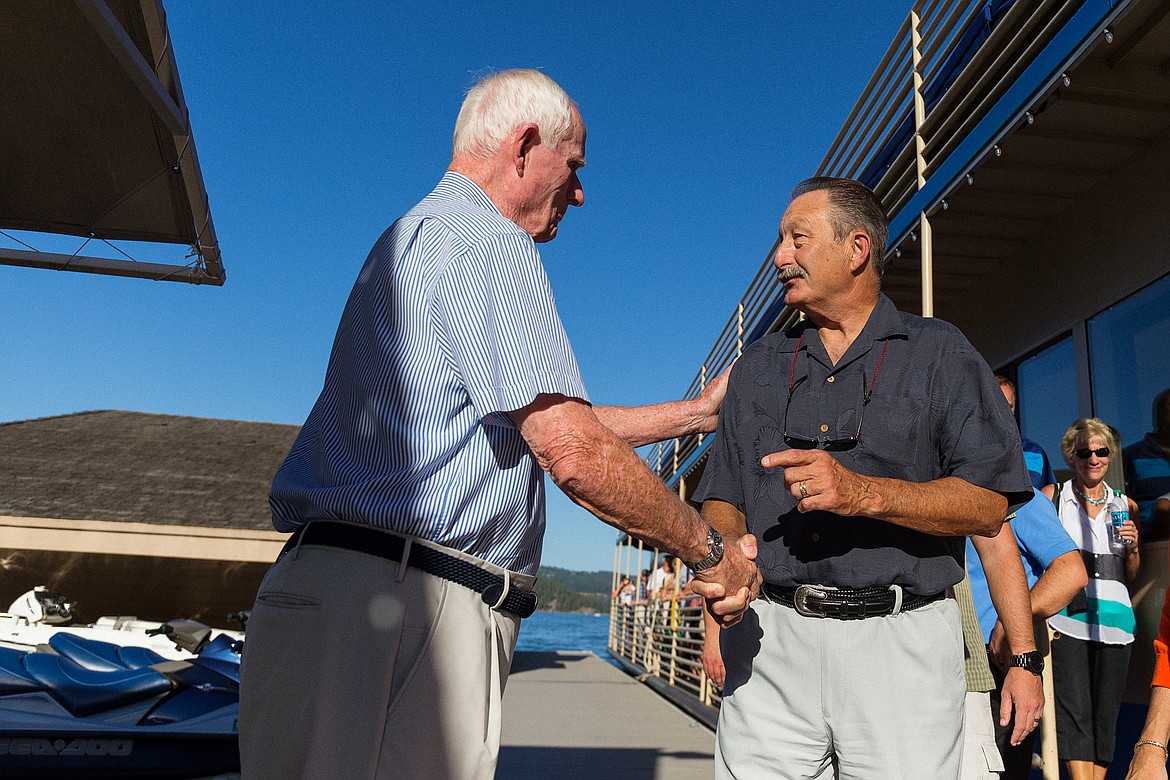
(96, 140)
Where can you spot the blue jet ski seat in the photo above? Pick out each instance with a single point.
(85, 691)
(102, 656)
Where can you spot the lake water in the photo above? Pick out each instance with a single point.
(550, 631)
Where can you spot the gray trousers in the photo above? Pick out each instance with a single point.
(357, 667)
(873, 699)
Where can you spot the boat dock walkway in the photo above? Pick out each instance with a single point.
(572, 715)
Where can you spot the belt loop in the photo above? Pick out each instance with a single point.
(897, 589)
(300, 536)
(405, 559)
(504, 592)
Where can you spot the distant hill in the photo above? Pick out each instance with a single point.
(580, 581)
(561, 590)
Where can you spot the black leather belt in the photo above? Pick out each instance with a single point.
(371, 541)
(826, 601)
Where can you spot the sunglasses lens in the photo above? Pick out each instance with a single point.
(800, 443)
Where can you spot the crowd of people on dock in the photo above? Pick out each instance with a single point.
(853, 456)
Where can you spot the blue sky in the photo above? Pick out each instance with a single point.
(316, 127)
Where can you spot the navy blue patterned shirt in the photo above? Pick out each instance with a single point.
(450, 326)
(936, 411)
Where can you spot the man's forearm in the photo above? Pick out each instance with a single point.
(1008, 587)
(638, 425)
(725, 519)
(1058, 585)
(946, 507)
(613, 484)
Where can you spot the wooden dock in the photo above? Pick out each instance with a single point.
(571, 715)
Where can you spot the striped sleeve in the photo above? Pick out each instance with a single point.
(498, 314)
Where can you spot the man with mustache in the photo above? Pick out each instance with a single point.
(381, 640)
(858, 447)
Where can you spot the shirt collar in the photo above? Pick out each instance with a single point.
(885, 322)
(456, 185)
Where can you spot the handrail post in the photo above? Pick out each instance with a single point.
(927, 245)
(702, 387)
(739, 331)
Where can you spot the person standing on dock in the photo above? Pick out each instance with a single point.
(381, 639)
(859, 446)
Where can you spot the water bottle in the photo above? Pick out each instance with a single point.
(1117, 544)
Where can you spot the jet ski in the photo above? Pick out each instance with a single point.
(79, 707)
(40, 613)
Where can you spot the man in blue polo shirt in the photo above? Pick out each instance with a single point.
(1039, 467)
(1055, 572)
(1147, 469)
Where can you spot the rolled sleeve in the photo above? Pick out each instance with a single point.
(722, 475)
(979, 440)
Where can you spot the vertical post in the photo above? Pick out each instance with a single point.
(739, 331)
(613, 605)
(926, 246)
(702, 387)
(927, 249)
(1048, 725)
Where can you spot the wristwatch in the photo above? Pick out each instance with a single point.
(714, 552)
(1033, 661)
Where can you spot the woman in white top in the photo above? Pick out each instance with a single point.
(1090, 655)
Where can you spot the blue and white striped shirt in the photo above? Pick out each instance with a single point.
(451, 324)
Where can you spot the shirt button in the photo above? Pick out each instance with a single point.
(831, 379)
(816, 537)
(824, 428)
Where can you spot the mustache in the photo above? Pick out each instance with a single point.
(792, 272)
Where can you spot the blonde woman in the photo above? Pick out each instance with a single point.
(1090, 656)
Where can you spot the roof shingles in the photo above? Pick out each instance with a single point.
(138, 467)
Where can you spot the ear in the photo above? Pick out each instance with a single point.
(522, 141)
(859, 247)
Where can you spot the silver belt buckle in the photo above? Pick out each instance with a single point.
(800, 600)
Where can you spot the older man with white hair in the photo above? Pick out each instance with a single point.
(380, 641)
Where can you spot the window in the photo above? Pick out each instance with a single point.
(1048, 398)
(1127, 359)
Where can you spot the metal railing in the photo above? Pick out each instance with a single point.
(660, 636)
(663, 640)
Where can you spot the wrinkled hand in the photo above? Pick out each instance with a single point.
(1023, 692)
(730, 586)
(713, 662)
(818, 481)
(1001, 654)
(710, 400)
(1149, 763)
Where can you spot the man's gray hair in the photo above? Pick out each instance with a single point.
(504, 101)
(854, 207)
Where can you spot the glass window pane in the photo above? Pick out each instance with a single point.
(1048, 399)
(1127, 359)
(1128, 366)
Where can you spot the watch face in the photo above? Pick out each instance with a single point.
(1033, 661)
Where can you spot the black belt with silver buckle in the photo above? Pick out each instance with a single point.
(371, 541)
(826, 601)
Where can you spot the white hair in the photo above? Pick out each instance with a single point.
(501, 102)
